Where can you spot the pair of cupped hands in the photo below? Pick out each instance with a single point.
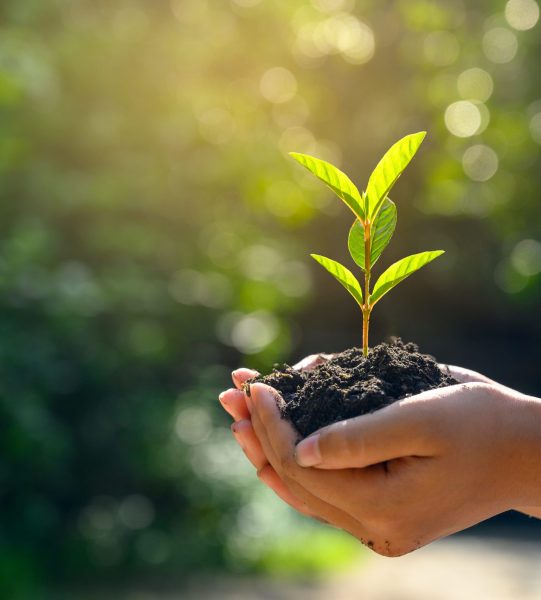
(415, 471)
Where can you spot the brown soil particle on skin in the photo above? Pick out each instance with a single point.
(350, 384)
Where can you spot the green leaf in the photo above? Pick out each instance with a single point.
(399, 271)
(383, 229)
(356, 243)
(343, 275)
(339, 182)
(382, 232)
(389, 169)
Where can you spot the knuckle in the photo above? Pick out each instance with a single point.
(344, 443)
(353, 445)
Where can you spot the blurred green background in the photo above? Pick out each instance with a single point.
(154, 235)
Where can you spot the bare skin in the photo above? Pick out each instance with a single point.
(418, 470)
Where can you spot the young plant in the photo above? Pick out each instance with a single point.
(374, 225)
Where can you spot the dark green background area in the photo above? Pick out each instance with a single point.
(154, 235)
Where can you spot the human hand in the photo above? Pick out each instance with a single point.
(415, 471)
(410, 492)
(234, 402)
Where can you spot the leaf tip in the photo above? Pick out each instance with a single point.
(421, 136)
(296, 156)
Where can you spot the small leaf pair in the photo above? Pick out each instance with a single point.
(374, 225)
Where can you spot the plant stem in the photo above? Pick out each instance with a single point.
(367, 271)
(366, 325)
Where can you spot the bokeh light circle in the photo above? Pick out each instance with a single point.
(278, 85)
(475, 84)
(463, 118)
(535, 127)
(522, 14)
(526, 257)
(355, 40)
(500, 45)
(254, 332)
(480, 162)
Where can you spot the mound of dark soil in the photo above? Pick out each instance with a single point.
(350, 384)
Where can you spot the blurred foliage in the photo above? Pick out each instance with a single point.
(154, 235)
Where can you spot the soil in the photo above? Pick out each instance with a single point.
(350, 384)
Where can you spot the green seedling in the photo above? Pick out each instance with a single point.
(374, 225)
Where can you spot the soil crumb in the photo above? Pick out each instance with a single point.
(350, 384)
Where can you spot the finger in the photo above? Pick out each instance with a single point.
(321, 491)
(241, 376)
(234, 402)
(312, 361)
(465, 375)
(405, 428)
(265, 402)
(314, 506)
(271, 479)
(246, 438)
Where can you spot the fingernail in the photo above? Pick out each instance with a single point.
(307, 452)
(234, 374)
(221, 397)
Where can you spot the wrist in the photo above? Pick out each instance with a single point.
(524, 449)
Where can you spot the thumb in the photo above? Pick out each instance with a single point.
(405, 428)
